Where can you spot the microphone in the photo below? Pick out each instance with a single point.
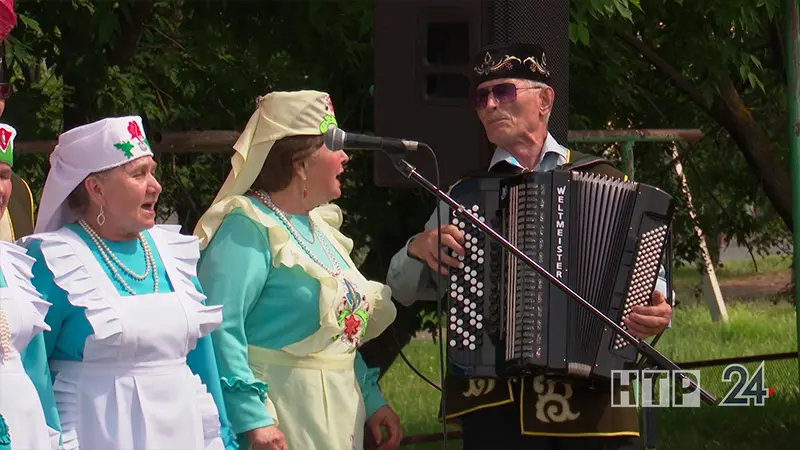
(337, 139)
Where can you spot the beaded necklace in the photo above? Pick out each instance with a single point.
(109, 257)
(5, 335)
(336, 270)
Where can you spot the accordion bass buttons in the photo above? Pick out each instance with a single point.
(466, 283)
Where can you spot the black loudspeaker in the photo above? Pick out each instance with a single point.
(422, 53)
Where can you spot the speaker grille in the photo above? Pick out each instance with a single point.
(421, 51)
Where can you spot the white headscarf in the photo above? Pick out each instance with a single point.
(278, 115)
(82, 151)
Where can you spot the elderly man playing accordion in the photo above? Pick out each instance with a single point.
(513, 99)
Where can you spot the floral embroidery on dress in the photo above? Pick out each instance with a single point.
(352, 315)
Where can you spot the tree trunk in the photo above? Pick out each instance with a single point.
(729, 111)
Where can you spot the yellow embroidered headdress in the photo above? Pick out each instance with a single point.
(278, 115)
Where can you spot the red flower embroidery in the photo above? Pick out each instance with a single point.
(351, 325)
(134, 130)
(5, 138)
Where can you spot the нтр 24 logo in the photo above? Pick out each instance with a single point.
(748, 391)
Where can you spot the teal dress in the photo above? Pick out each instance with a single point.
(265, 304)
(70, 327)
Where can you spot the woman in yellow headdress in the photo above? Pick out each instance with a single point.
(295, 307)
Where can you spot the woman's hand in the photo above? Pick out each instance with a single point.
(266, 438)
(385, 418)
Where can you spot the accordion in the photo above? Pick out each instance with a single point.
(602, 237)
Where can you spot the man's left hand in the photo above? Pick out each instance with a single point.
(384, 418)
(646, 321)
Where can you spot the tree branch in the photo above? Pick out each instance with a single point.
(665, 68)
(128, 42)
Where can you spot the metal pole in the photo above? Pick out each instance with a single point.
(792, 88)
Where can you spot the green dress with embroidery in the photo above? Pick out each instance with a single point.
(284, 310)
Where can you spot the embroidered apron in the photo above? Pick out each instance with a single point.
(133, 389)
(314, 395)
(22, 421)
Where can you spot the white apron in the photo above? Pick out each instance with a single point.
(22, 422)
(133, 389)
(314, 395)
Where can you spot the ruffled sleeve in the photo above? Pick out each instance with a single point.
(185, 252)
(59, 256)
(17, 265)
(235, 283)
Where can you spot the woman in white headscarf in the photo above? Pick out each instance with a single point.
(28, 419)
(129, 347)
(295, 307)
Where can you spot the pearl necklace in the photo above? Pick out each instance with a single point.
(5, 335)
(336, 271)
(108, 256)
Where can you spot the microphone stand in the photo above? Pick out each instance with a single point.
(643, 347)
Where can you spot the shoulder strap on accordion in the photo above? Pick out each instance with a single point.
(584, 162)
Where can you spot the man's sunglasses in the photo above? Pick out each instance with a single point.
(503, 93)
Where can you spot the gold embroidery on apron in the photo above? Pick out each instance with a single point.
(479, 386)
(550, 405)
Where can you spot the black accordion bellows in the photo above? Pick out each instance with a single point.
(603, 237)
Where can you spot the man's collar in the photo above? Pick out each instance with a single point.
(550, 146)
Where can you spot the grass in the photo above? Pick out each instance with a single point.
(755, 328)
(686, 280)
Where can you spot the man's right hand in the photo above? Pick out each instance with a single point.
(266, 438)
(425, 247)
